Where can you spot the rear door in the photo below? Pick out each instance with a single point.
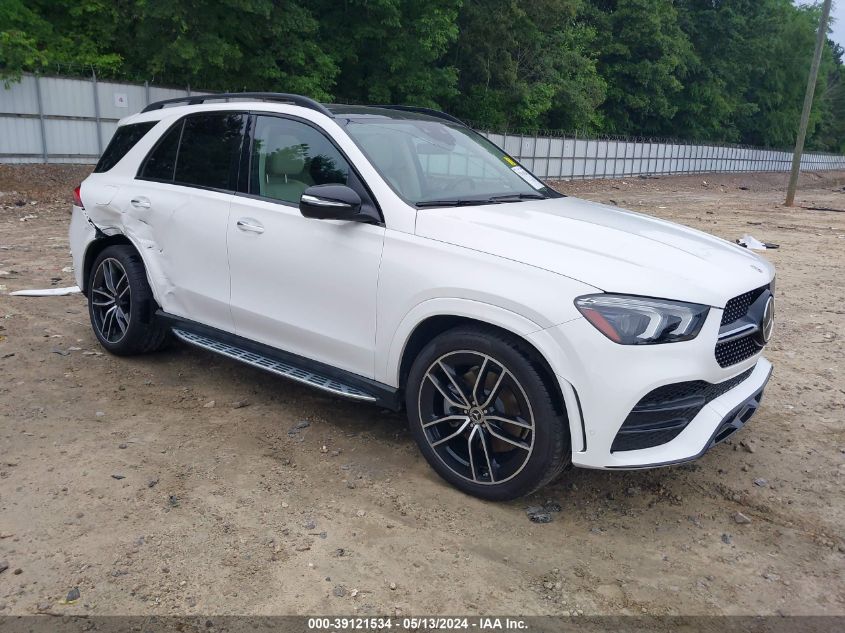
(183, 193)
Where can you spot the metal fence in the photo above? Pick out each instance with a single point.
(70, 120)
(569, 158)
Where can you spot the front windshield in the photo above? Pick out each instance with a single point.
(429, 162)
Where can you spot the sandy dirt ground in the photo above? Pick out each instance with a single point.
(184, 483)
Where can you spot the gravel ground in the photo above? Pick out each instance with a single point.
(183, 483)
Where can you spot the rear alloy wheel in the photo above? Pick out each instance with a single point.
(121, 304)
(111, 301)
(483, 417)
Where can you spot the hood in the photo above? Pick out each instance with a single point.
(609, 248)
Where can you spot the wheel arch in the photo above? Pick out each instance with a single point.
(414, 337)
(95, 247)
(142, 331)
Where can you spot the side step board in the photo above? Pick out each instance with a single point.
(274, 366)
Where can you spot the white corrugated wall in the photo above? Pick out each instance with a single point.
(71, 120)
(67, 120)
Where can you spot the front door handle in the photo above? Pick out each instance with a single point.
(251, 225)
(140, 202)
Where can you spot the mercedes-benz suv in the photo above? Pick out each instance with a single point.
(392, 255)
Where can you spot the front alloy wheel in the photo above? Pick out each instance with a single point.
(485, 413)
(476, 417)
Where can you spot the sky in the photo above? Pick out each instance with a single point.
(838, 12)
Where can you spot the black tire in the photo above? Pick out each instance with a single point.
(523, 392)
(133, 299)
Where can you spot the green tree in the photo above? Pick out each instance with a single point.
(21, 28)
(65, 35)
(715, 90)
(390, 51)
(526, 64)
(746, 83)
(724, 70)
(778, 78)
(829, 134)
(643, 57)
(228, 44)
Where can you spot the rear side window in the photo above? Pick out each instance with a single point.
(201, 150)
(161, 162)
(124, 139)
(210, 150)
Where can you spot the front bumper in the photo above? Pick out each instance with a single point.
(729, 424)
(603, 383)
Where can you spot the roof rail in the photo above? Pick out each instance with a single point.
(428, 111)
(281, 97)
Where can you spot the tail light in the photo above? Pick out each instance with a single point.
(77, 199)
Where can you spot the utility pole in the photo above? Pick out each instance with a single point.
(821, 37)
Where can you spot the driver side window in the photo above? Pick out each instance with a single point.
(289, 156)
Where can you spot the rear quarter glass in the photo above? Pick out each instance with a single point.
(124, 139)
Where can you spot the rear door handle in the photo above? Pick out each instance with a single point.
(140, 202)
(251, 225)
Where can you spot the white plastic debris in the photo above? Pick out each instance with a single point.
(749, 241)
(47, 292)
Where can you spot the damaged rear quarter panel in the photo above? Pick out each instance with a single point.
(108, 208)
(181, 238)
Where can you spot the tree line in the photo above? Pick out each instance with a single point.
(711, 70)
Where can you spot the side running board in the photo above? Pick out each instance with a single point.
(274, 366)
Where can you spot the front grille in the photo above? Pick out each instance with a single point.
(735, 351)
(737, 309)
(738, 306)
(664, 412)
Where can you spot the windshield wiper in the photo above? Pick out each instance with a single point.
(516, 197)
(463, 202)
(455, 202)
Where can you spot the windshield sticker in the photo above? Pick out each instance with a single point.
(510, 161)
(531, 180)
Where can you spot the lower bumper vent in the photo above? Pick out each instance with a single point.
(662, 414)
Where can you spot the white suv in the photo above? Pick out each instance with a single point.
(392, 255)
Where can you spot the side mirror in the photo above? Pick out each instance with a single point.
(330, 202)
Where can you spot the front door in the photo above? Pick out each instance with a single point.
(302, 285)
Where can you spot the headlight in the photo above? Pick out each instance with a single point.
(630, 320)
